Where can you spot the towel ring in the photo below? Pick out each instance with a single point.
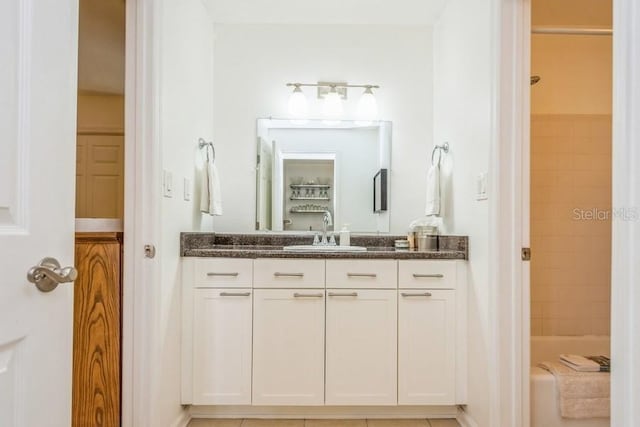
(202, 144)
(439, 148)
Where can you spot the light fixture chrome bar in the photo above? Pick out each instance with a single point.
(577, 31)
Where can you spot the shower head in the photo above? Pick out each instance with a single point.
(534, 80)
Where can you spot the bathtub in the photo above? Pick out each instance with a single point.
(544, 401)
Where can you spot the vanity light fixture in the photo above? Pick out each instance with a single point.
(332, 106)
(367, 106)
(298, 107)
(332, 94)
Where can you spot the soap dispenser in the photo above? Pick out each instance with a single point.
(345, 236)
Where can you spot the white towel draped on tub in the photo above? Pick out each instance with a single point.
(581, 394)
(210, 195)
(433, 190)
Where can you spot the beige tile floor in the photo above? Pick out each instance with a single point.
(323, 423)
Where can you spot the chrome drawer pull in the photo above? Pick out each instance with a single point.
(423, 294)
(278, 274)
(235, 294)
(210, 274)
(372, 275)
(433, 276)
(343, 294)
(318, 295)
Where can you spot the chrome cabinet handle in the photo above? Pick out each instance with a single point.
(47, 275)
(299, 295)
(213, 274)
(434, 276)
(373, 275)
(235, 294)
(343, 294)
(423, 294)
(278, 274)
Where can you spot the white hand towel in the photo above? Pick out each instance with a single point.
(210, 195)
(433, 191)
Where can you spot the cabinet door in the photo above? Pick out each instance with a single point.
(426, 347)
(288, 356)
(222, 347)
(361, 356)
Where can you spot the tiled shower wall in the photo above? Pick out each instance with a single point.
(570, 224)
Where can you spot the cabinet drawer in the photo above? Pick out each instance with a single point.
(427, 274)
(360, 274)
(223, 273)
(288, 273)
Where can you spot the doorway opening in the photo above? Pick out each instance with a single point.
(97, 342)
(570, 198)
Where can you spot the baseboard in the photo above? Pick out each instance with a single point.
(182, 420)
(465, 420)
(347, 412)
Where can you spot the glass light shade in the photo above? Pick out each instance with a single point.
(332, 106)
(298, 107)
(367, 106)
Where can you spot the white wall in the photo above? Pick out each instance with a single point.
(462, 116)
(253, 63)
(185, 114)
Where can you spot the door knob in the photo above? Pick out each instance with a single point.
(47, 275)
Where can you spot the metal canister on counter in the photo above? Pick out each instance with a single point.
(426, 238)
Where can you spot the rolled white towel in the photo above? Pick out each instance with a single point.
(433, 191)
(210, 194)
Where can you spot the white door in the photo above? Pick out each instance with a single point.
(222, 347)
(38, 84)
(361, 361)
(288, 347)
(426, 347)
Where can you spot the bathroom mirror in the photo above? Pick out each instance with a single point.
(305, 169)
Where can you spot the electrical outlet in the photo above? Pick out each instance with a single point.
(187, 189)
(167, 183)
(481, 186)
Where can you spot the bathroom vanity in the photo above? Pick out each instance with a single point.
(263, 326)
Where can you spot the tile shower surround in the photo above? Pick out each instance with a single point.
(571, 253)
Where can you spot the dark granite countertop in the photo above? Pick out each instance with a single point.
(270, 245)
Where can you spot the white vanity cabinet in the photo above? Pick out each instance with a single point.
(361, 347)
(427, 333)
(288, 343)
(361, 354)
(217, 313)
(335, 332)
(222, 346)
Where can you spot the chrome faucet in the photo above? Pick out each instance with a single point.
(327, 220)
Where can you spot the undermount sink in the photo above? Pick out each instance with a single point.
(324, 248)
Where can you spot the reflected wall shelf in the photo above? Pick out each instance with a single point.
(308, 210)
(310, 186)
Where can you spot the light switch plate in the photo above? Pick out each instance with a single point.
(167, 183)
(481, 186)
(187, 189)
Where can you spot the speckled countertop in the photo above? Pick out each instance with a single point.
(269, 245)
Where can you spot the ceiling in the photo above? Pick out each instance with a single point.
(376, 12)
(101, 49)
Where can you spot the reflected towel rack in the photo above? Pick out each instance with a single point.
(202, 144)
(439, 149)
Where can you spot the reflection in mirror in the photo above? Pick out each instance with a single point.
(307, 169)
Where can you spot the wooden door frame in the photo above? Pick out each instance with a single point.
(510, 297)
(142, 212)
